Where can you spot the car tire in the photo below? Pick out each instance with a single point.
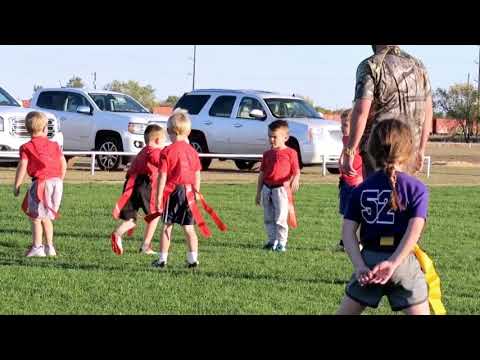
(245, 164)
(109, 162)
(197, 141)
(293, 143)
(334, 171)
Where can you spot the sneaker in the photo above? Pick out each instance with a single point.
(117, 244)
(159, 264)
(50, 251)
(270, 246)
(281, 248)
(147, 251)
(36, 251)
(192, 265)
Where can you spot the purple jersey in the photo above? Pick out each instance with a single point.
(382, 228)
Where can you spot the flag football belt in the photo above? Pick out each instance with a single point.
(41, 196)
(190, 192)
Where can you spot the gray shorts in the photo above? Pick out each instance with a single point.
(53, 198)
(407, 286)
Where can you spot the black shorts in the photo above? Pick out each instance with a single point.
(345, 193)
(176, 209)
(140, 198)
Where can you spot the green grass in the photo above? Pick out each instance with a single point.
(235, 275)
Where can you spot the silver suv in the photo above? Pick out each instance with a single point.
(236, 122)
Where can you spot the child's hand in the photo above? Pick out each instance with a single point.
(364, 275)
(16, 191)
(257, 200)
(295, 185)
(382, 272)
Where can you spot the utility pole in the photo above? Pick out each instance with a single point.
(194, 65)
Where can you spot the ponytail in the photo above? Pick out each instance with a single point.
(392, 178)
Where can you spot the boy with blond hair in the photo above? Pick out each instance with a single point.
(140, 191)
(44, 162)
(178, 190)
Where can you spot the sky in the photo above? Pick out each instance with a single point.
(324, 73)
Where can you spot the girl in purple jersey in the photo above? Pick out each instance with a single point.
(390, 207)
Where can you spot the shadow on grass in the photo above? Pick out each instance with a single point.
(56, 234)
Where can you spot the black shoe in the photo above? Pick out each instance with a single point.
(159, 264)
(268, 246)
(192, 265)
(340, 246)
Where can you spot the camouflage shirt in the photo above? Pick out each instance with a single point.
(398, 86)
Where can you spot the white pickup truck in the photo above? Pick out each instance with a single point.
(13, 132)
(236, 122)
(98, 120)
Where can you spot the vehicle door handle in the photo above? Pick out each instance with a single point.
(237, 125)
(208, 123)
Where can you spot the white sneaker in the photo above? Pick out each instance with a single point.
(36, 251)
(50, 251)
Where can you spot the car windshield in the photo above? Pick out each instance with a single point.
(6, 99)
(291, 108)
(117, 103)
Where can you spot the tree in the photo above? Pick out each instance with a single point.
(171, 100)
(75, 82)
(460, 102)
(143, 94)
(37, 87)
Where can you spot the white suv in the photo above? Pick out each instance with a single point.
(236, 122)
(98, 120)
(13, 132)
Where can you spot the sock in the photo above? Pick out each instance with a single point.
(163, 257)
(192, 257)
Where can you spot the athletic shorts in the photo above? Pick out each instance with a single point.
(176, 209)
(140, 198)
(53, 198)
(345, 192)
(407, 286)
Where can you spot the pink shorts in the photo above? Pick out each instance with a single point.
(53, 198)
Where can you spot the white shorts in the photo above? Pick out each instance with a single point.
(53, 198)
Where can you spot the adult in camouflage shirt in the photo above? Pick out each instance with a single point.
(389, 84)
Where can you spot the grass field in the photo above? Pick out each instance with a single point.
(236, 276)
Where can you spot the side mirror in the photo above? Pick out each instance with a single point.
(257, 114)
(84, 110)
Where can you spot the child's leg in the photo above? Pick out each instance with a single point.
(280, 205)
(350, 307)
(149, 233)
(124, 227)
(191, 241)
(420, 309)
(48, 229)
(165, 241)
(37, 232)
(268, 215)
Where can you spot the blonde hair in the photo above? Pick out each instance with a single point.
(179, 122)
(35, 122)
(153, 132)
(390, 145)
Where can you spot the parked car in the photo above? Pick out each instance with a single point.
(98, 120)
(13, 132)
(236, 122)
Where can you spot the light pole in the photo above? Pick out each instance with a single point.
(194, 65)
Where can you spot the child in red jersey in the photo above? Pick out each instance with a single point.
(178, 190)
(348, 183)
(44, 162)
(140, 191)
(279, 176)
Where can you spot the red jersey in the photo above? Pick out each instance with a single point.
(180, 161)
(357, 165)
(147, 162)
(279, 166)
(43, 158)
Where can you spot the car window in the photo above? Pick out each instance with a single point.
(53, 100)
(192, 103)
(223, 106)
(246, 106)
(74, 101)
